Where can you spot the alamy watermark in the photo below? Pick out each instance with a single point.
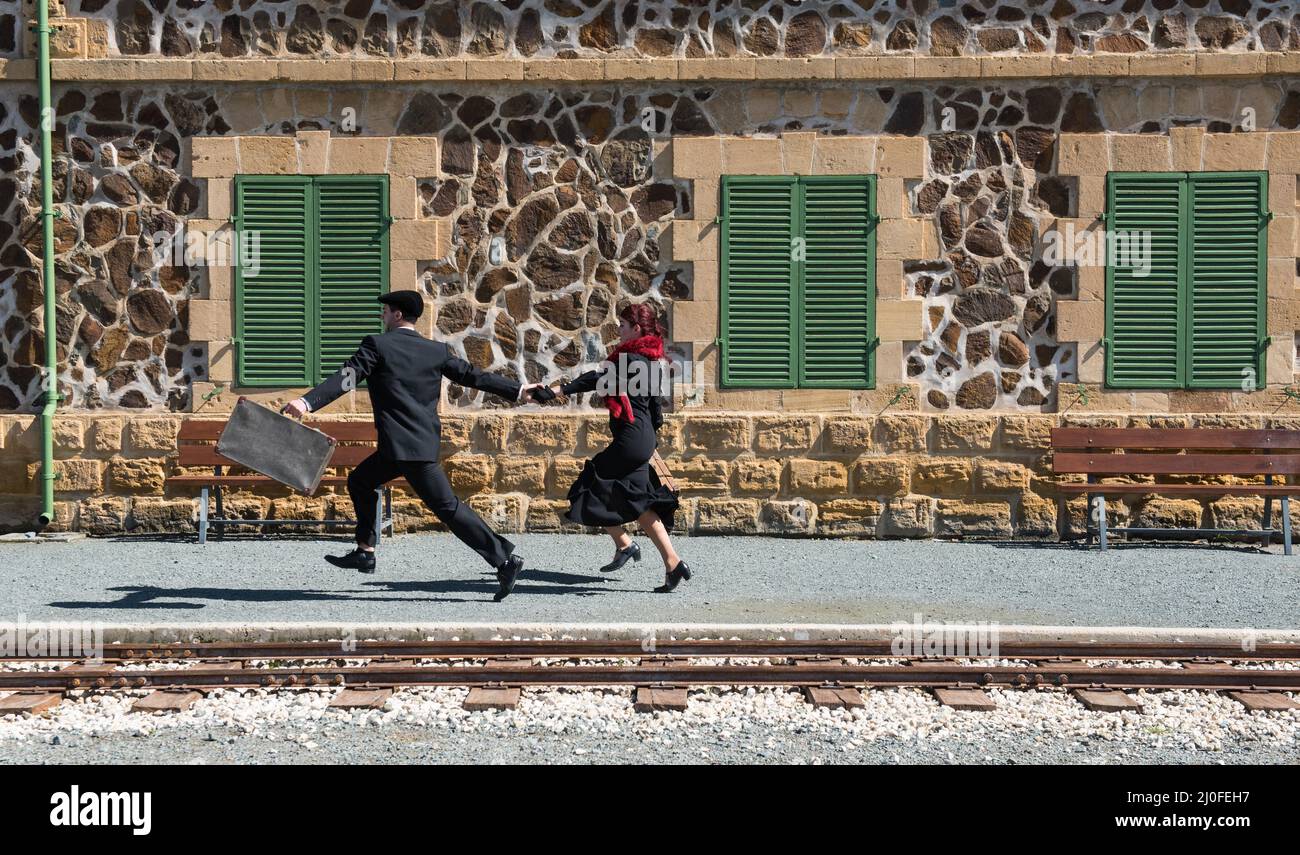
(635, 377)
(127, 809)
(222, 247)
(1125, 248)
(20, 639)
(937, 639)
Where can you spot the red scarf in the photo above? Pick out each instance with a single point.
(649, 346)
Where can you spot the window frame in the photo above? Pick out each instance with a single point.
(1186, 227)
(798, 316)
(314, 369)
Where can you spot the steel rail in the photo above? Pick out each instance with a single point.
(922, 674)
(862, 649)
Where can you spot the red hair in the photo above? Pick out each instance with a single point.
(644, 316)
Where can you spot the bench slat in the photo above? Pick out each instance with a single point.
(1182, 438)
(206, 455)
(1176, 464)
(1182, 489)
(209, 430)
(260, 481)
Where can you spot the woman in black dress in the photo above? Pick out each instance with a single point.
(618, 485)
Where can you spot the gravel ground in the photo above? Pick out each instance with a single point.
(432, 577)
(721, 726)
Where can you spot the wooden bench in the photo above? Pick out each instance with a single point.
(1099, 452)
(196, 445)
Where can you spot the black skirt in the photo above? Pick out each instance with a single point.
(618, 485)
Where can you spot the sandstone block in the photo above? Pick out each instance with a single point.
(544, 433)
(1036, 517)
(848, 434)
(757, 475)
(793, 517)
(718, 434)
(965, 434)
(74, 476)
(700, 474)
(849, 517)
(908, 516)
(786, 434)
(895, 434)
(153, 434)
(882, 476)
(521, 474)
(996, 476)
(504, 513)
(942, 477)
(1027, 433)
(137, 475)
(162, 515)
(103, 515)
(818, 476)
(973, 519)
(727, 516)
(469, 473)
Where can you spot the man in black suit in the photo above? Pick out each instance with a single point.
(405, 372)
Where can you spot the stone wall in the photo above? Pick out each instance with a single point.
(660, 28)
(567, 128)
(874, 475)
(577, 188)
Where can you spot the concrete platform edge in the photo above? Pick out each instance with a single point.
(309, 631)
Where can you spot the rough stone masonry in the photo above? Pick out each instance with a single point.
(553, 126)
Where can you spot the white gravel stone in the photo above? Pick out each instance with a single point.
(1185, 719)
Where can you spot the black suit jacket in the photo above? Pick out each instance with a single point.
(405, 372)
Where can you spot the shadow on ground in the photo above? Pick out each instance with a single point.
(531, 582)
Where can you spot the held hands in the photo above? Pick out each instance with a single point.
(537, 393)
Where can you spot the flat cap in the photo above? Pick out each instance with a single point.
(409, 303)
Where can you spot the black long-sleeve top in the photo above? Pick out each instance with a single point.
(645, 407)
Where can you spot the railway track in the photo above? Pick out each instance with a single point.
(828, 672)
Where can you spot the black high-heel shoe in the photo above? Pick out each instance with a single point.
(621, 557)
(674, 578)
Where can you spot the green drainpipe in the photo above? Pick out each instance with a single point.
(51, 394)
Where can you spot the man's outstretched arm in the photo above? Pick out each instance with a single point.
(357, 368)
(460, 371)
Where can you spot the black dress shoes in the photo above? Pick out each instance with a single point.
(621, 557)
(357, 559)
(507, 573)
(674, 578)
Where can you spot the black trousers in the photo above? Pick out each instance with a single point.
(430, 484)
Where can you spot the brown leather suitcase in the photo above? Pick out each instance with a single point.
(276, 446)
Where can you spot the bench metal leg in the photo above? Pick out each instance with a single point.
(379, 516)
(1286, 525)
(388, 511)
(221, 514)
(203, 515)
(1101, 523)
(1268, 513)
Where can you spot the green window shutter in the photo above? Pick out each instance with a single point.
(839, 293)
(353, 267)
(275, 295)
(1227, 277)
(1143, 312)
(759, 328)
